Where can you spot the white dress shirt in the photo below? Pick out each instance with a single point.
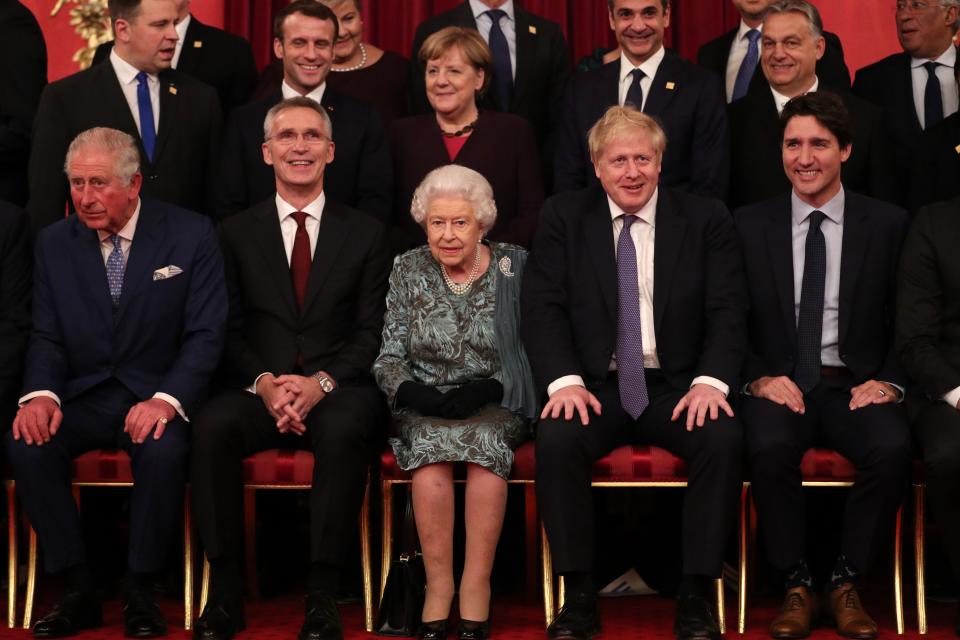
(106, 248)
(948, 83)
(649, 68)
(182, 32)
(508, 25)
(316, 95)
(643, 234)
(127, 75)
(782, 100)
(738, 51)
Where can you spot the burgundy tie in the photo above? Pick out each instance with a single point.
(300, 258)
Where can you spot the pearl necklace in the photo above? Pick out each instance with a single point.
(359, 65)
(460, 289)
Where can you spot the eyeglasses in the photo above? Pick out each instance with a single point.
(289, 137)
(912, 6)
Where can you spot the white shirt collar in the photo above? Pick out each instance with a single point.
(314, 209)
(126, 72)
(182, 27)
(744, 29)
(649, 67)
(948, 58)
(479, 9)
(833, 208)
(647, 213)
(128, 229)
(782, 100)
(316, 95)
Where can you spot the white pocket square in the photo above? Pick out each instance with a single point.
(167, 272)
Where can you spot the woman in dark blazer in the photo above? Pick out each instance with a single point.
(500, 146)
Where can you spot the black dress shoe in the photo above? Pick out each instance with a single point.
(75, 612)
(695, 618)
(577, 620)
(142, 617)
(323, 620)
(220, 620)
(472, 630)
(436, 630)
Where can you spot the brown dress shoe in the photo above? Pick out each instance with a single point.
(852, 621)
(796, 615)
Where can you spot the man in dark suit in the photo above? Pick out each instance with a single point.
(928, 343)
(634, 306)
(221, 59)
(937, 164)
(792, 44)
(23, 67)
(129, 305)
(14, 305)
(821, 368)
(175, 118)
(735, 55)
(307, 279)
(361, 176)
(916, 88)
(537, 59)
(685, 98)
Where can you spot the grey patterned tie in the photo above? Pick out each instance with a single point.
(630, 374)
(115, 270)
(810, 319)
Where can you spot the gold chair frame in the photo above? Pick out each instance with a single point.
(11, 554)
(919, 552)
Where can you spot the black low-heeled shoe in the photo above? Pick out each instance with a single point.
(436, 630)
(473, 630)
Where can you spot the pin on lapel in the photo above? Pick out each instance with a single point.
(198, 44)
(671, 86)
(532, 29)
(172, 89)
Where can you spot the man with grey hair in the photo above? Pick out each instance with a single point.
(916, 88)
(307, 279)
(129, 305)
(792, 43)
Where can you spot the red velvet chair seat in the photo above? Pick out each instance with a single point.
(103, 466)
(639, 463)
(288, 467)
(826, 465)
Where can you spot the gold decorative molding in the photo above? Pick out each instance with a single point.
(91, 22)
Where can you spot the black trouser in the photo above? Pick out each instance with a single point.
(342, 430)
(875, 438)
(937, 426)
(566, 451)
(93, 420)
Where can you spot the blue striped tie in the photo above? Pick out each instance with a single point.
(148, 130)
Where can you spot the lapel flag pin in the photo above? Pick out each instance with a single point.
(532, 29)
(671, 86)
(173, 90)
(198, 44)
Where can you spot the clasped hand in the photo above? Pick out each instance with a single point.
(289, 399)
(39, 420)
(457, 404)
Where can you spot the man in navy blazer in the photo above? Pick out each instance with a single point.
(687, 100)
(129, 311)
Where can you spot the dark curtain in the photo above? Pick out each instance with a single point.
(390, 24)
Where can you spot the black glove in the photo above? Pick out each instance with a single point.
(466, 400)
(422, 398)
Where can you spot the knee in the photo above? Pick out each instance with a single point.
(722, 440)
(24, 457)
(943, 461)
(214, 426)
(168, 453)
(558, 443)
(340, 437)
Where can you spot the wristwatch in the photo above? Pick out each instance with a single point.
(325, 382)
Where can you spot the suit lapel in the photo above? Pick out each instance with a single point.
(779, 237)
(526, 49)
(856, 239)
(148, 238)
(598, 230)
(905, 97)
(670, 230)
(169, 104)
(664, 86)
(463, 16)
(90, 266)
(115, 110)
(331, 237)
(611, 84)
(189, 60)
(266, 230)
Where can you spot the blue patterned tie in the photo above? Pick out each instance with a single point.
(810, 319)
(748, 66)
(148, 131)
(932, 97)
(502, 69)
(635, 91)
(115, 270)
(630, 373)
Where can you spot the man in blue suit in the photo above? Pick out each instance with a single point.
(129, 312)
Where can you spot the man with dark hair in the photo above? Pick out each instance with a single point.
(307, 279)
(916, 88)
(685, 98)
(219, 58)
(821, 369)
(793, 42)
(937, 162)
(174, 118)
(129, 306)
(735, 55)
(304, 33)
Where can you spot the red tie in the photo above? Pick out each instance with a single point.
(300, 258)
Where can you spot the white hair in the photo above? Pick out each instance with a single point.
(455, 181)
(122, 145)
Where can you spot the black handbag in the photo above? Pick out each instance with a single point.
(402, 602)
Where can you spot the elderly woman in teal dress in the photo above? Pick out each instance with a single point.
(455, 372)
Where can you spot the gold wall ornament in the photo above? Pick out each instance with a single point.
(91, 22)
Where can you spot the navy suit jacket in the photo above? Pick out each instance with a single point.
(165, 336)
(686, 100)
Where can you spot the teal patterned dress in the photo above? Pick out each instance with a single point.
(434, 337)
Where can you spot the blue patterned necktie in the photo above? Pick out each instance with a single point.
(630, 374)
(115, 270)
(932, 97)
(502, 69)
(148, 131)
(635, 91)
(748, 66)
(810, 320)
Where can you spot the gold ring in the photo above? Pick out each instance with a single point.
(882, 392)
(162, 420)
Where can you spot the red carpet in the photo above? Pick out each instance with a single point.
(520, 618)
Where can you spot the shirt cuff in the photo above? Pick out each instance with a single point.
(38, 394)
(173, 402)
(952, 397)
(719, 385)
(901, 392)
(564, 381)
(253, 388)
